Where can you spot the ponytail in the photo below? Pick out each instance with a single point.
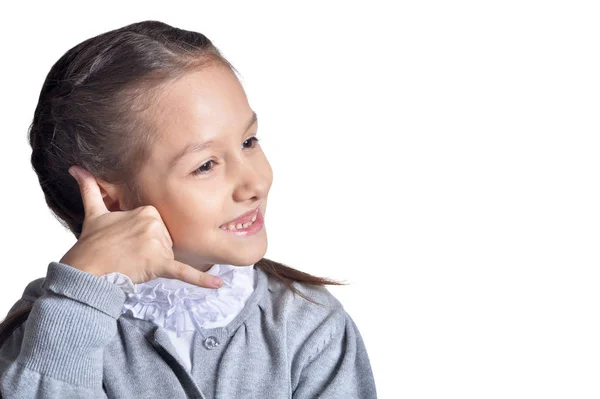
(12, 322)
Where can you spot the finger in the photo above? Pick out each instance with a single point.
(187, 273)
(93, 204)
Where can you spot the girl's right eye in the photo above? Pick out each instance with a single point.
(201, 170)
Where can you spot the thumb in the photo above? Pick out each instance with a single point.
(93, 203)
(187, 273)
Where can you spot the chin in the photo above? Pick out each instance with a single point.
(245, 256)
(247, 259)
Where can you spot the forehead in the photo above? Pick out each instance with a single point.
(199, 106)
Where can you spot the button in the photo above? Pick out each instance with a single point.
(211, 342)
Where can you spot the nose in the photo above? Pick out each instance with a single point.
(251, 176)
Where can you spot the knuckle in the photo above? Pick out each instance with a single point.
(85, 189)
(149, 210)
(151, 227)
(156, 244)
(154, 226)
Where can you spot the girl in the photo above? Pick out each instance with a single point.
(146, 149)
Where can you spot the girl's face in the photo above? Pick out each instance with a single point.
(198, 192)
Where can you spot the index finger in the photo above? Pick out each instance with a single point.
(184, 272)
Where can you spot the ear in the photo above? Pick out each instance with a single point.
(111, 194)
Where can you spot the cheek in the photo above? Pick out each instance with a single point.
(189, 226)
(197, 212)
(186, 211)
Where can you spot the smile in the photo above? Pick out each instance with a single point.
(244, 229)
(241, 225)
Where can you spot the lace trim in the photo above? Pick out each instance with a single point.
(181, 306)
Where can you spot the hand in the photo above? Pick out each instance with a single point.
(135, 243)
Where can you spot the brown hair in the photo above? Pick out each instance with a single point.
(91, 111)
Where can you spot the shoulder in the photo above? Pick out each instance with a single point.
(308, 298)
(34, 289)
(303, 321)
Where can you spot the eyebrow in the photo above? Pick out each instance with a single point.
(199, 146)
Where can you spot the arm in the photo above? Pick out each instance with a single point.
(337, 365)
(58, 351)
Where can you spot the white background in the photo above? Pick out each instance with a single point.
(441, 157)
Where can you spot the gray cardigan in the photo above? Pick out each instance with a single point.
(76, 343)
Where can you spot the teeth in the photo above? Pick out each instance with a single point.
(241, 226)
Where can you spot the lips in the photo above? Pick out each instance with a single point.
(245, 218)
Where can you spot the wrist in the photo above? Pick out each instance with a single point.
(82, 265)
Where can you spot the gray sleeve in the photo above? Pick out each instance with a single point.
(336, 366)
(58, 351)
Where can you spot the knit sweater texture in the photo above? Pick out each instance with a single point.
(76, 343)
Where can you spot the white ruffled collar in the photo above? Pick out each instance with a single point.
(180, 306)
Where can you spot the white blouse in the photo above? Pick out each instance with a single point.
(182, 308)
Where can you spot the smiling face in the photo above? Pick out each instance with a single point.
(198, 191)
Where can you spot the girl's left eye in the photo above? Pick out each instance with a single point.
(253, 138)
(202, 170)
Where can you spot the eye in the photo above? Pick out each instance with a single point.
(253, 139)
(202, 169)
